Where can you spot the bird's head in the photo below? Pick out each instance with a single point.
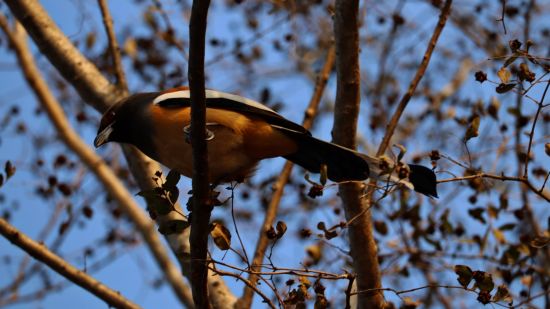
(127, 121)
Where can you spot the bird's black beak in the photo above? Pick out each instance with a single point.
(103, 136)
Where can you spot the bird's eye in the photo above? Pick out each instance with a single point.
(108, 118)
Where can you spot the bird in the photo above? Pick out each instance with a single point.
(240, 133)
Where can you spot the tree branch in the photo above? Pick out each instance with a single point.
(113, 45)
(59, 265)
(390, 128)
(538, 191)
(202, 205)
(363, 249)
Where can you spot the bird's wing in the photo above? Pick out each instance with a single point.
(227, 101)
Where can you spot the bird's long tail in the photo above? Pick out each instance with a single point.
(344, 164)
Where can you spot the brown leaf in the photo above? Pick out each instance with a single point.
(90, 40)
(270, 233)
(499, 235)
(511, 59)
(503, 295)
(315, 252)
(281, 229)
(493, 108)
(525, 73)
(480, 76)
(484, 280)
(221, 236)
(514, 45)
(464, 273)
(473, 128)
(477, 213)
(504, 75)
(503, 88)
(9, 169)
(540, 241)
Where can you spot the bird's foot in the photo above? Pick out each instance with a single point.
(187, 131)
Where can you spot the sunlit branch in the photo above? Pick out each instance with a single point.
(113, 45)
(41, 253)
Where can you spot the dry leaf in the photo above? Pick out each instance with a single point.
(221, 236)
(504, 75)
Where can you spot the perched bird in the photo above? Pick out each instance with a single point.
(240, 133)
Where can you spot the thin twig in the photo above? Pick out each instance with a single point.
(348, 291)
(113, 45)
(277, 271)
(171, 32)
(244, 256)
(248, 283)
(503, 15)
(41, 253)
(530, 299)
(540, 192)
(429, 286)
(532, 133)
(258, 35)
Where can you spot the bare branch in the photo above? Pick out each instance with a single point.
(532, 133)
(363, 248)
(248, 283)
(502, 16)
(539, 191)
(390, 128)
(170, 31)
(201, 201)
(113, 45)
(41, 253)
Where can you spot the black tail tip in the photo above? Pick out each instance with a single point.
(423, 180)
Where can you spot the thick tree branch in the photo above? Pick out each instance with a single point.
(279, 186)
(363, 249)
(59, 265)
(202, 205)
(88, 156)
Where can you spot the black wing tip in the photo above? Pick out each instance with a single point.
(423, 180)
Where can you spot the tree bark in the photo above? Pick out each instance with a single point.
(363, 249)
